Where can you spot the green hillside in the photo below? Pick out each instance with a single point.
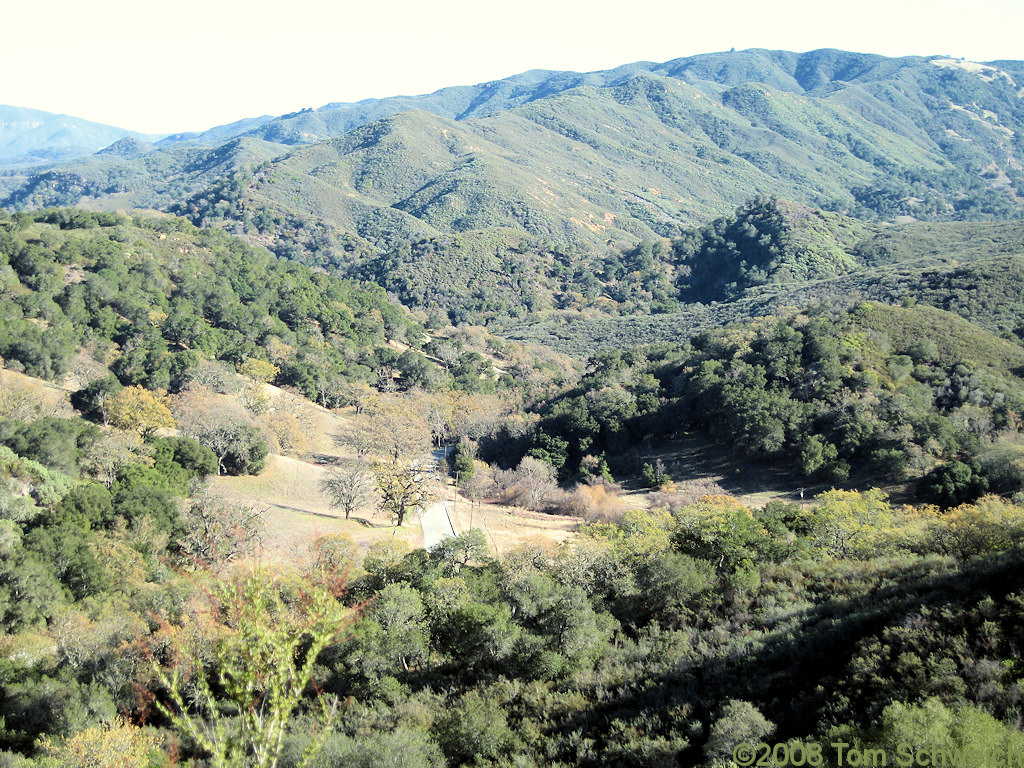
(143, 178)
(870, 394)
(766, 255)
(590, 166)
(594, 162)
(154, 300)
(770, 255)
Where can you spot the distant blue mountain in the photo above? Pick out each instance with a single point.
(33, 137)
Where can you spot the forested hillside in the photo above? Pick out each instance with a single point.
(154, 298)
(912, 397)
(769, 255)
(589, 163)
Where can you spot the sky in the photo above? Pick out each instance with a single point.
(193, 64)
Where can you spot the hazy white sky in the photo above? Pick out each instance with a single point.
(192, 64)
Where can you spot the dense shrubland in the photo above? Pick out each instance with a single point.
(657, 636)
(765, 250)
(663, 638)
(870, 394)
(163, 305)
(159, 297)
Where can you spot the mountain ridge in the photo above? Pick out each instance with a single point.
(33, 136)
(572, 172)
(800, 72)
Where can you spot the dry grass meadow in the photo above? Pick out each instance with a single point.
(296, 512)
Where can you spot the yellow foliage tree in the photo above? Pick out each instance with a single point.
(117, 744)
(850, 523)
(991, 524)
(292, 435)
(137, 409)
(259, 371)
(595, 503)
(279, 352)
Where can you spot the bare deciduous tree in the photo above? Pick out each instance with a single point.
(219, 531)
(29, 400)
(349, 486)
(213, 375)
(386, 378)
(117, 449)
(447, 354)
(394, 430)
(531, 483)
(223, 427)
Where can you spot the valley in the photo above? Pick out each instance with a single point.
(714, 367)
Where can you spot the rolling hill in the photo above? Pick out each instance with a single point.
(522, 201)
(598, 158)
(771, 255)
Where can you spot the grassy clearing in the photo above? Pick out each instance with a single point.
(296, 511)
(509, 527)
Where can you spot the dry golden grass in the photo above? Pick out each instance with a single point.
(509, 527)
(29, 398)
(296, 512)
(288, 489)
